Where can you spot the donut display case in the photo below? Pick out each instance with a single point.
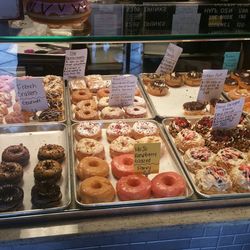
(33, 181)
(103, 160)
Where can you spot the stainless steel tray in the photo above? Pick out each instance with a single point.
(190, 175)
(33, 136)
(168, 162)
(150, 112)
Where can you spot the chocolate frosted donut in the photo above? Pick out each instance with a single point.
(11, 197)
(16, 153)
(194, 108)
(50, 115)
(51, 152)
(10, 173)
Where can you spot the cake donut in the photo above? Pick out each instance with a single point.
(51, 152)
(168, 184)
(177, 124)
(96, 189)
(174, 80)
(135, 112)
(133, 187)
(188, 139)
(16, 153)
(240, 176)
(157, 88)
(213, 180)
(144, 128)
(92, 166)
(116, 129)
(192, 78)
(197, 158)
(104, 92)
(121, 145)
(89, 147)
(80, 95)
(203, 125)
(88, 129)
(194, 108)
(112, 113)
(10, 173)
(86, 114)
(86, 105)
(122, 165)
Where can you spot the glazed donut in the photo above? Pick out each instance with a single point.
(104, 92)
(158, 88)
(174, 80)
(10, 173)
(49, 115)
(51, 152)
(89, 147)
(103, 102)
(122, 165)
(112, 113)
(3, 109)
(96, 189)
(16, 153)
(88, 130)
(135, 112)
(238, 93)
(86, 105)
(121, 145)
(168, 184)
(92, 166)
(86, 114)
(133, 187)
(117, 129)
(139, 101)
(80, 95)
(144, 128)
(6, 98)
(17, 117)
(47, 171)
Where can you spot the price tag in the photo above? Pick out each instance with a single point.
(227, 115)
(147, 158)
(231, 60)
(122, 90)
(170, 59)
(211, 85)
(31, 94)
(75, 63)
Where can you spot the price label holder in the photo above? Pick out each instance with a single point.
(31, 94)
(227, 115)
(170, 59)
(211, 85)
(147, 158)
(75, 63)
(122, 90)
(231, 60)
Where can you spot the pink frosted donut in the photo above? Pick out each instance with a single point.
(122, 165)
(133, 187)
(3, 109)
(6, 98)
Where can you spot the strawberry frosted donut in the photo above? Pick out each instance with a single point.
(3, 109)
(122, 145)
(139, 101)
(144, 128)
(117, 129)
(228, 158)
(89, 147)
(135, 112)
(188, 139)
(240, 177)
(6, 98)
(122, 165)
(88, 129)
(177, 124)
(112, 113)
(168, 184)
(133, 187)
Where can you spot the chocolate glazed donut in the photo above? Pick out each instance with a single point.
(51, 152)
(16, 153)
(10, 173)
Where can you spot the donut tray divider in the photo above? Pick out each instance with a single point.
(150, 113)
(33, 136)
(190, 175)
(168, 157)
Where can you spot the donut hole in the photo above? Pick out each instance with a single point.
(169, 181)
(133, 182)
(96, 185)
(94, 164)
(128, 161)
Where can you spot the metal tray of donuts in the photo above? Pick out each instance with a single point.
(33, 137)
(106, 79)
(168, 162)
(55, 113)
(220, 174)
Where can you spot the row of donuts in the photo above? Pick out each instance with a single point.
(219, 159)
(92, 169)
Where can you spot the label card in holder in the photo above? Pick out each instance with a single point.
(75, 63)
(227, 115)
(122, 90)
(147, 157)
(212, 85)
(31, 94)
(231, 60)
(170, 59)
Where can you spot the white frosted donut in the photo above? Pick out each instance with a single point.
(103, 102)
(77, 84)
(88, 130)
(135, 112)
(144, 128)
(139, 101)
(117, 129)
(122, 145)
(112, 113)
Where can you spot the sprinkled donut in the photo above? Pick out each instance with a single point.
(122, 145)
(112, 113)
(144, 128)
(88, 129)
(51, 152)
(135, 112)
(117, 129)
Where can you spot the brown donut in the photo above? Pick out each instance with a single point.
(80, 95)
(82, 115)
(51, 152)
(10, 173)
(16, 153)
(86, 105)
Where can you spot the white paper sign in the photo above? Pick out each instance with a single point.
(122, 90)
(170, 59)
(227, 115)
(31, 94)
(75, 63)
(211, 85)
